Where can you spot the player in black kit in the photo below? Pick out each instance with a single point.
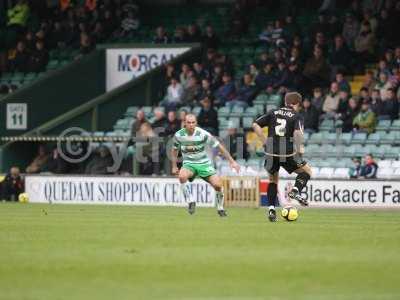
(284, 148)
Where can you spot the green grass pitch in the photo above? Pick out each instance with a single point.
(95, 252)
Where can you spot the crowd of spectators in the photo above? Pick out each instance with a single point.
(33, 28)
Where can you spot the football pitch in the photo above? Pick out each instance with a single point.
(114, 252)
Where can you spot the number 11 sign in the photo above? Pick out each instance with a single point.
(17, 116)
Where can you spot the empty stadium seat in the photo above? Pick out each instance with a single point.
(388, 137)
(196, 110)
(395, 125)
(251, 112)
(345, 138)
(373, 138)
(327, 125)
(359, 138)
(384, 163)
(247, 122)
(385, 173)
(224, 111)
(341, 173)
(326, 172)
(237, 111)
(383, 125)
(316, 138)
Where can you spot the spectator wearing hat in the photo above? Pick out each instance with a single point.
(370, 168)
(208, 116)
(365, 121)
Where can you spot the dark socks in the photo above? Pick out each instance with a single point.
(272, 193)
(301, 181)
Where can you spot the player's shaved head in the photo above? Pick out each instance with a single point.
(190, 122)
(292, 99)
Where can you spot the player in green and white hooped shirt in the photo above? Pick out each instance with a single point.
(191, 141)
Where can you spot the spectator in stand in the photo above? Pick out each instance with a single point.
(182, 115)
(57, 36)
(383, 67)
(310, 116)
(205, 90)
(20, 61)
(318, 99)
(295, 56)
(281, 76)
(348, 116)
(385, 32)
(335, 26)
(390, 106)
(174, 95)
(238, 23)
(86, 45)
(376, 103)
(342, 82)
(147, 151)
(184, 76)
(191, 92)
(216, 77)
(193, 34)
(179, 36)
(208, 116)
(210, 39)
(321, 42)
(101, 161)
(331, 102)
(236, 143)
(12, 185)
(263, 60)
(140, 119)
(170, 72)
(321, 25)
(389, 58)
(129, 24)
(245, 93)
(278, 33)
(291, 27)
(294, 80)
(30, 43)
(173, 124)
(210, 60)
(161, 37)
(226, 91)
(98, 33)
(316, 69)
(355, 170)
(340, 57)
(364, 44)
(265, 80)
(343, 103)
(159, 121)
(265, 36)
(369, 82)
(365, 121)
(39, 163)
(383, 85)
(39, 58)
(370, 168)
(351, 28)
(199, 70)
(253, 70)
(397, 56)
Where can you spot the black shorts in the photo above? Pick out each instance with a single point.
(290, 164)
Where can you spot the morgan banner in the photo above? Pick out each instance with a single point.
(123, 65)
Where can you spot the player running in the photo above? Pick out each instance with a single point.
(192, 141)
(284, 148)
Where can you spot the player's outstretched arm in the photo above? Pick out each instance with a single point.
(174, 159)
(258, 130)
(234, 165)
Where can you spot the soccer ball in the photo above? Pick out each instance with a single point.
(289, 213)
(23, 198)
